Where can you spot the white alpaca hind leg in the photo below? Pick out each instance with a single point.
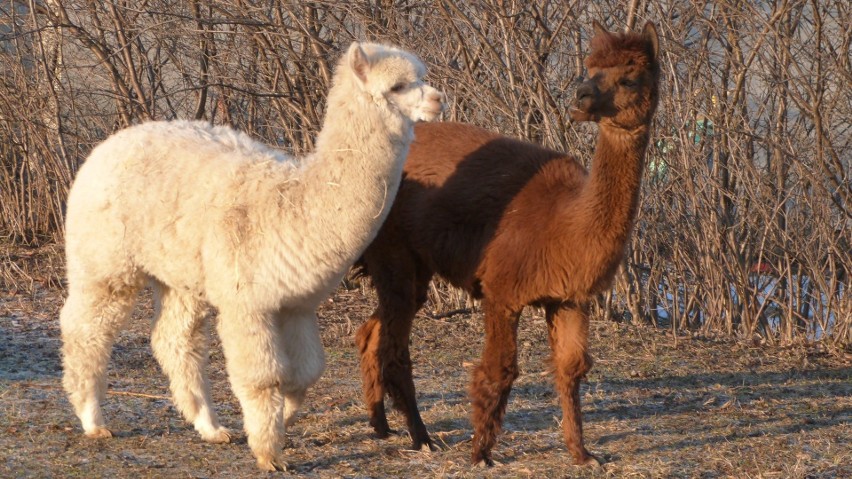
(207, 425)
(92, 419)
(179, 340)
(90, 320)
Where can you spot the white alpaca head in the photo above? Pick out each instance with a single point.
(397, 77)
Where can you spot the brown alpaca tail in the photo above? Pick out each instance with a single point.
(359, 269)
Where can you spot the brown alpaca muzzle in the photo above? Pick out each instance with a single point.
(587, 97)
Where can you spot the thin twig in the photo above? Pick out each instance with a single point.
(452, 312)
(110, 391)
(141, 395)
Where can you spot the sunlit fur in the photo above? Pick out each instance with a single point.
(514, 224)
(210, 216)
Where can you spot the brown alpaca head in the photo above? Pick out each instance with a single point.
(622, 88)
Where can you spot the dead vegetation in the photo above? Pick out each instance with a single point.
(738, 364)
(745, 223)
(703, 408)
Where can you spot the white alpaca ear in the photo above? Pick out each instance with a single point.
(650, 34)
(358, 61)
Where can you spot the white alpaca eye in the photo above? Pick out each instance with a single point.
(398, 87)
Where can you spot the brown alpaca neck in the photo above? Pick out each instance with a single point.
(611, 193)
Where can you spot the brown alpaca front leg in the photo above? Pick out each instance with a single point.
(492, 380)
(371, 375)
(568, 331)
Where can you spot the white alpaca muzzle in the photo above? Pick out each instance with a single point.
(419, 102)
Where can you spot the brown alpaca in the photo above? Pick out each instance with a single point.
(514, 224)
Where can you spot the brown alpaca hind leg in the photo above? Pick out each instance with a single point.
(371, 374)
(385, 357)
(492, 379)
(396, 364)
(568, 331)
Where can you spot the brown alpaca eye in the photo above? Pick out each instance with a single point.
(627, 83)
(398, 87)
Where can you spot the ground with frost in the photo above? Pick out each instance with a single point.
(653, 406)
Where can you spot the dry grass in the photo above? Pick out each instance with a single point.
(22, 268)
(747, 172)
(705, 408)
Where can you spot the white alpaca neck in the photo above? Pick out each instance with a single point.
(347, 187)
(356, 169)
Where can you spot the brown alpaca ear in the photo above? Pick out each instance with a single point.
(650, 34)
(598, 28)
(358, 61)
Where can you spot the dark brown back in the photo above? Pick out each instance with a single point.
(459, 182)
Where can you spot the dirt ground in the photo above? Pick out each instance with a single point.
(652, 407)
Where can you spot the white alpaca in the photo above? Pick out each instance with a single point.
(208, 215)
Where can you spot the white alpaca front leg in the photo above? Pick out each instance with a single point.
(302, 347)
(255, 369)
(292, 402)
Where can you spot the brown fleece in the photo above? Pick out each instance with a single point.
(514, 224)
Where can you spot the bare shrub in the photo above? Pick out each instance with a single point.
(745, 223)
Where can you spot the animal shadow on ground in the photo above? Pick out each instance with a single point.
(670, 403)
(27, 357)
(745, 405)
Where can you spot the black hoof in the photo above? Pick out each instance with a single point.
(385, 433)
(425, 447)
